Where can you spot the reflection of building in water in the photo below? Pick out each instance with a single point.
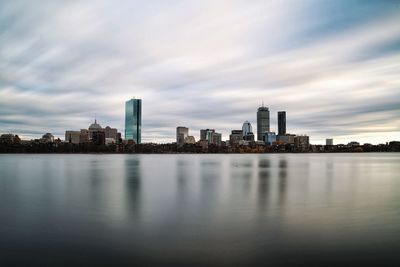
(210, 179)
(264, 174)
(282, 184)
(132, 184)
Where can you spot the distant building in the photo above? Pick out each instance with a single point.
(99, 138)
(111, 132)
(302, 142)
(246, 128)
(9, 139)
(133, 120)
(269, 138)
(203, 133)
(72, 137)
(235, 137)
(216, 138)
(249, 137)
(353, 143)
(48, 138)
(87, 135)
(286, 138)
(281, 122)
(94, 127)
(190, 140)
(262, 122)
(329, 142)
(181, 134)
(84, 136)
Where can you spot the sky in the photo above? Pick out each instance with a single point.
(333, 66)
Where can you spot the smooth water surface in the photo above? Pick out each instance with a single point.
(200, 210)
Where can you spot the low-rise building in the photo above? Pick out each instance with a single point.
(72, 137)
(48, 138)
(302, 142)
(269, 138)
(286, 138)
(235, 137)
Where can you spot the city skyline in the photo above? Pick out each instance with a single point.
(333, 67)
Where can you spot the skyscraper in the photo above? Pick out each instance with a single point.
(133, 120)
(281, 122)
(262, 122)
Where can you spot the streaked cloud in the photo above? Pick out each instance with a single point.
(334, 67)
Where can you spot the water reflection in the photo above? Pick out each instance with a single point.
(282, 181)
(241, 173)
(199, 210)
(210, 181)
(264, 180)
(133, 176)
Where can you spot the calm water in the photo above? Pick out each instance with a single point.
(200, 210)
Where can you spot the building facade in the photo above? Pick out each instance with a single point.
(286, 138)
(235, 137)
(329, 142)
(72, 137)
(302, 142)
(269, 138)
(246, 128)
(181, 134)
(281, 122)
(133, 120)
(262, 122)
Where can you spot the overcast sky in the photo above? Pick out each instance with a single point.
(334, 66)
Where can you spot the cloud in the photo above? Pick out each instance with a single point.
(209, 64)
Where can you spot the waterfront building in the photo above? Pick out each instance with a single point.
(329, 142)
(111, 132)
(246, 128)
(203, 133)
(190, 140)
(84, 136)
(269, 138)
(249, 137)
(48, 138)
(181, 134)
(281, 122)
(216, 138)
(9, 139)
(262, 122)
(235, 137)
(72, 137)
(94, 127)
(353, 143)
(99, 138)
(286, 138)
(133, 120)
(302, 142)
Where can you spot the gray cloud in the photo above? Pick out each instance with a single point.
(209, 64)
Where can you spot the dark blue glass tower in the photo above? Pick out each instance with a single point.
(133, 120)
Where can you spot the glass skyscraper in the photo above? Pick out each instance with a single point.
(133, 120)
